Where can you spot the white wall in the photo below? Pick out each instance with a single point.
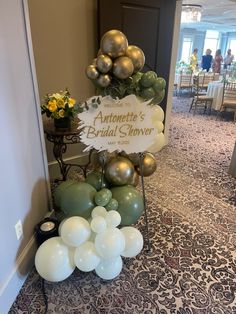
(23, 193)
(64, 35)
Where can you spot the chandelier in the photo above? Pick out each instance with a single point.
(191, 13)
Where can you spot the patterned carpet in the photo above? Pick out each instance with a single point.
(191, 268)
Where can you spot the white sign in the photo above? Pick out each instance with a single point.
(125, 124)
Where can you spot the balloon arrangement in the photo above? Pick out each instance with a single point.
(116, 70)
(94, 209)
(93, 244)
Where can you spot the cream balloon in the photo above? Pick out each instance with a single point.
(159, 125)
(103, 80)
(99, 211)
(104, 63)
(137, 57)
(159, 143)
(109, 268)
(86, 257)
(110, 243)
(133, 241)
(91, 72)
(54, 260)
(98, 224)
(158, 115)
(75, 230)
(114, 43)
(123, 67)
(113, 218)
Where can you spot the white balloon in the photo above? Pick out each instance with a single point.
(109, 268)
(75, 231)
(54, 260)
(99, 211)
(113, 218)
(133, 241)
(59, 228)
(86, 257)
(110, 243)
(92, 236)
(159, 143)
(158, 115)
(98, 224)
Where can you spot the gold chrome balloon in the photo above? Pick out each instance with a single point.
(137, 57)
(119, 171)
(123, 67)
(134, 180)
(114, 43)
(92, 72)
(103, 80)
(149, 165)
(104, 63)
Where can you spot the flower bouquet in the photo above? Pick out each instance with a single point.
(60, 107)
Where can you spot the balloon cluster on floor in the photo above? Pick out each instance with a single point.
(88, 244)
(116, 70)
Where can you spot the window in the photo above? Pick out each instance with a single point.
(211, 41)
(186, 49)
(232, 46)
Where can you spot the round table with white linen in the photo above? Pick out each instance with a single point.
(215, 90)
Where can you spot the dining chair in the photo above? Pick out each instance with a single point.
(229, 98)
(199, 99)
(185, 82)
(208, 77)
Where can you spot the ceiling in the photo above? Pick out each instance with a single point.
(216, 14)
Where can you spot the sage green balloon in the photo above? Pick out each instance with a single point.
(103, 197)
(78, 200)
(130, 203)
(95, 179)
(112, 205)
(59, 190)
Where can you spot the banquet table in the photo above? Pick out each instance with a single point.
(215, 90)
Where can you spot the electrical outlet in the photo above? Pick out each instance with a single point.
(18, 229)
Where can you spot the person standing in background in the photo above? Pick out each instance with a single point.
(217, 61)
(207, 60)
(194, 60)
(228, 59)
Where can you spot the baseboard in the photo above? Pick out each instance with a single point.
(23, 265)
(54, 170)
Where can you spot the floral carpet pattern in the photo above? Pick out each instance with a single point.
(191, 267)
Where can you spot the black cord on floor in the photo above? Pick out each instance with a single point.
(44, 296)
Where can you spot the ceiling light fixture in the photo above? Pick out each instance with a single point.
(191, 13)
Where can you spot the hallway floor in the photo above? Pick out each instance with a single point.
(191, 267)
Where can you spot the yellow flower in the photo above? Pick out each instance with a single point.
(52, 105)
(61, 113)
(71, 102)
(60, 103)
